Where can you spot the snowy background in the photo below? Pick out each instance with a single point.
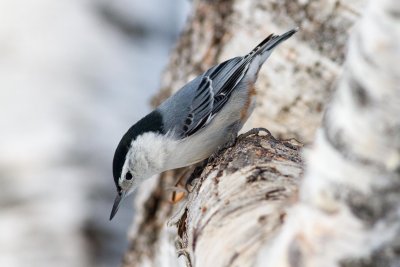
(74, 76)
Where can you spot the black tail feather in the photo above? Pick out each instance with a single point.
(272, 41)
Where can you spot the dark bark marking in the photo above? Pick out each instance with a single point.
(262, 219)
(380, 205)
(387, 255)
(182, 224)
(359, 92)
(394, 13)
(233, 258)
(275, 193)
(295, 255)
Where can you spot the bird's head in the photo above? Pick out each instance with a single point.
(131, 161)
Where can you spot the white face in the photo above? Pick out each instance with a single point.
(145, 158)
(141, 162)
(127, 182)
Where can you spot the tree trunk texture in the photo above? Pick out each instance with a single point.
(245, 207)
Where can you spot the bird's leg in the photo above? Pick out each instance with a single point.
(193, 178)
(178, 190)
(188, 187)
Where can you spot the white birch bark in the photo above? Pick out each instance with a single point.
(348, 213)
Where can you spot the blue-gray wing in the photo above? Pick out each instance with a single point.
(213, 92)
(199, 101)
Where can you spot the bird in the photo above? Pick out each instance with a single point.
(189, 126)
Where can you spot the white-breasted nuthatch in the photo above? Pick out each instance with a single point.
(190, 125)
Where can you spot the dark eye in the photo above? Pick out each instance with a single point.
(128, 176)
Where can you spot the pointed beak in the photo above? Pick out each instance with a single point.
(117, 203)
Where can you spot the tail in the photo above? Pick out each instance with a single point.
(271, 42)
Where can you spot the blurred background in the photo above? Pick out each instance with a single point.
(74, 76)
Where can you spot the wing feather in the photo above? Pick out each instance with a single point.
(213, 93)
(201, 107)
(218, 83)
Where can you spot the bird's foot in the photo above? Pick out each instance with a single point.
(256, 131)
(178, 193)
(195, 176)
(178, 190)
(182, 193)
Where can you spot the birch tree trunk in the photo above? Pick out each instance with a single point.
(233, 216)
(348, 212)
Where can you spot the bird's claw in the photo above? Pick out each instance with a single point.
(193, 178)
(256, 131)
